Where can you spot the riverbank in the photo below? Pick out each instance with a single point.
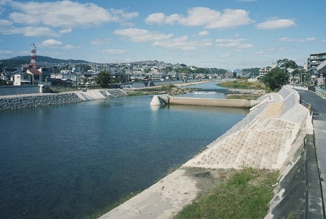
(17, 102)
(270, 137)
(21, 101)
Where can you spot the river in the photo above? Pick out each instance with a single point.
(73, 161)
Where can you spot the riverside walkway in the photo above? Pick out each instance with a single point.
(318, 108)
(271, 136)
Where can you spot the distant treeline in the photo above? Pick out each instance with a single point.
(23, 60)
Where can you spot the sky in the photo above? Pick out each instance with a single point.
(229, 34)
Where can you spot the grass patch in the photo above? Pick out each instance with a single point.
(245, 194)
(243, 84)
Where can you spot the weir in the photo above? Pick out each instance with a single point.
(235, 103)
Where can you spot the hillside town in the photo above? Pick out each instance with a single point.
(83, 73)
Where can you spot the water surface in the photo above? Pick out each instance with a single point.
(74, 160)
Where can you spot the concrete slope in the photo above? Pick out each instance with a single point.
(90, 95)
(269, 137)
(269, 141)
(93, 94)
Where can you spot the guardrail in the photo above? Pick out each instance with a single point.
(321, 92)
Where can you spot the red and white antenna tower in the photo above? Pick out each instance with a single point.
(33, 56)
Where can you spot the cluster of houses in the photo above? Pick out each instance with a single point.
(84, 74)
(73, 74)
(312, 73)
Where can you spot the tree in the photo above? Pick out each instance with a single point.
(103, 79)
(275, 79)
(286, 63)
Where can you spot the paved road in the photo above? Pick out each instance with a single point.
(318, 107)
(318, 104)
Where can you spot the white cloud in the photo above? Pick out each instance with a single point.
(310, 39)
(203, 33)
(121, 15)
(237, 43)
(68, 30)
(4, 22)
(182, 43)
(7, 28)
(65, 14)
(29, 31)
(6, 52)
(226, 55)
(100, 41)
(156, 18)
(114, 51)
(51, 43)
(276, 24)
(245, 46)
(3, 2)
(34, 19)
(270, 50)
(291, 40)
(141, 35)
(206, 17)
(162, 40)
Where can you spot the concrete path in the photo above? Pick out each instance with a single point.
(318, 107)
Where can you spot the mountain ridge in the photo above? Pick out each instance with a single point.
(47, 59)
(21, 60)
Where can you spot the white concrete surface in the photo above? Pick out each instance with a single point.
(268, 138)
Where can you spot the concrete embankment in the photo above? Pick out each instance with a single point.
(16, 102)
(237, 103)
(271, 137)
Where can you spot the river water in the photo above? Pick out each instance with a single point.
(73, 161)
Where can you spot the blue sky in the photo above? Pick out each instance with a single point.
(226, 34)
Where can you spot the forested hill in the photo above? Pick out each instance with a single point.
(21, 60)
(250, 72)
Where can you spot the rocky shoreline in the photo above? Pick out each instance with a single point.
(18, 102)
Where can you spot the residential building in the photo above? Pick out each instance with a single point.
(264, 71)
(315, 60)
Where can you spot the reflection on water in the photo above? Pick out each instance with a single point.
(74, 160)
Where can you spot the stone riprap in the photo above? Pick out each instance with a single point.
(16, 102)
(36, 100)
(116, 92)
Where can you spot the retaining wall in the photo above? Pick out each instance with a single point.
(37, 100)
(16, 102)
(16, 90)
